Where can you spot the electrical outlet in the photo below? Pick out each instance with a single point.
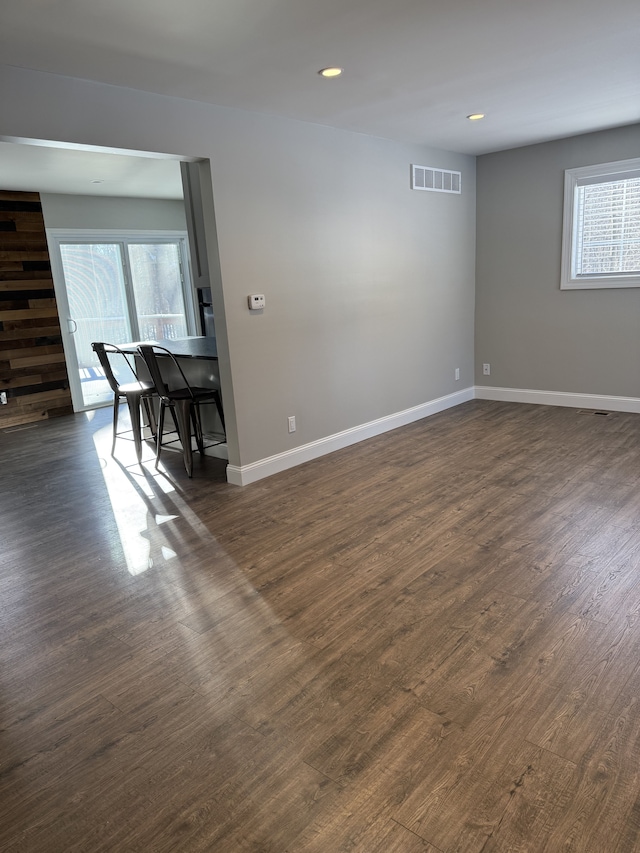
(457, 373)
(3, 398)
(486, 369)
(292, 423)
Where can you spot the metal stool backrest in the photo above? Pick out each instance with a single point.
(149, 353)
(104, 352)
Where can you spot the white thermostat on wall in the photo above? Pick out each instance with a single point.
(256, 301)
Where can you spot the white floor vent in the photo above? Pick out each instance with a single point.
(435, 180)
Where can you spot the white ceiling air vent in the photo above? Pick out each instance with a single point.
(435, 180)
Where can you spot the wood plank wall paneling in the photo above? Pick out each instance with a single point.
(33, 373)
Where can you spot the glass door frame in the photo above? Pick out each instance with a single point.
(59, 236)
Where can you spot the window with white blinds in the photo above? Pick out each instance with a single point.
(601, 239)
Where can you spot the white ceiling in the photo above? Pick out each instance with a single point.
(32, 168)
(414, 69)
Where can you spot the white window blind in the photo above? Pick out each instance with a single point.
(608, 228)
(601, 236)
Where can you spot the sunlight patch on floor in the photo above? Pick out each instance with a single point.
(231, 611)
(131, 489)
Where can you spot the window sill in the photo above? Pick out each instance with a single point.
(613, 283)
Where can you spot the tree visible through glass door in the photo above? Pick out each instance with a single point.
(96, 295)
(156, 278)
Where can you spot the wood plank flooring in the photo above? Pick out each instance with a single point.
(426, 642)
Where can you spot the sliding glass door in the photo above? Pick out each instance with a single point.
(97, 311)
(157, 279)
(135, 287)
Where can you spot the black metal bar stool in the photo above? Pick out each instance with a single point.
(183, 400)
(118, 365)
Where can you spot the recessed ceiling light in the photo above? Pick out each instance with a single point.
(97, 182)
(475, 116)
(333, 71)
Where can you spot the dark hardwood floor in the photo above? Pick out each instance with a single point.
(426, 642)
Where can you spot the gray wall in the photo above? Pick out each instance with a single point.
(80, 211)
(534, 335)
(369, 286)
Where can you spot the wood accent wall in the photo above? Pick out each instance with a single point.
(33, 372)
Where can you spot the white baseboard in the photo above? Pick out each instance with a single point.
(242, 475)
(559, 398)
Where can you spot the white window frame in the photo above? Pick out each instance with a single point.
(56, 236)
(573, 179)
(76, 236)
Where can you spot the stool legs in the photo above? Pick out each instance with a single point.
(184, 415)
(182, 409)
(159, 431)
(116, 410)
(133, 401)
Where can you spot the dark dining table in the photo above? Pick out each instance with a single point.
(192, 347)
